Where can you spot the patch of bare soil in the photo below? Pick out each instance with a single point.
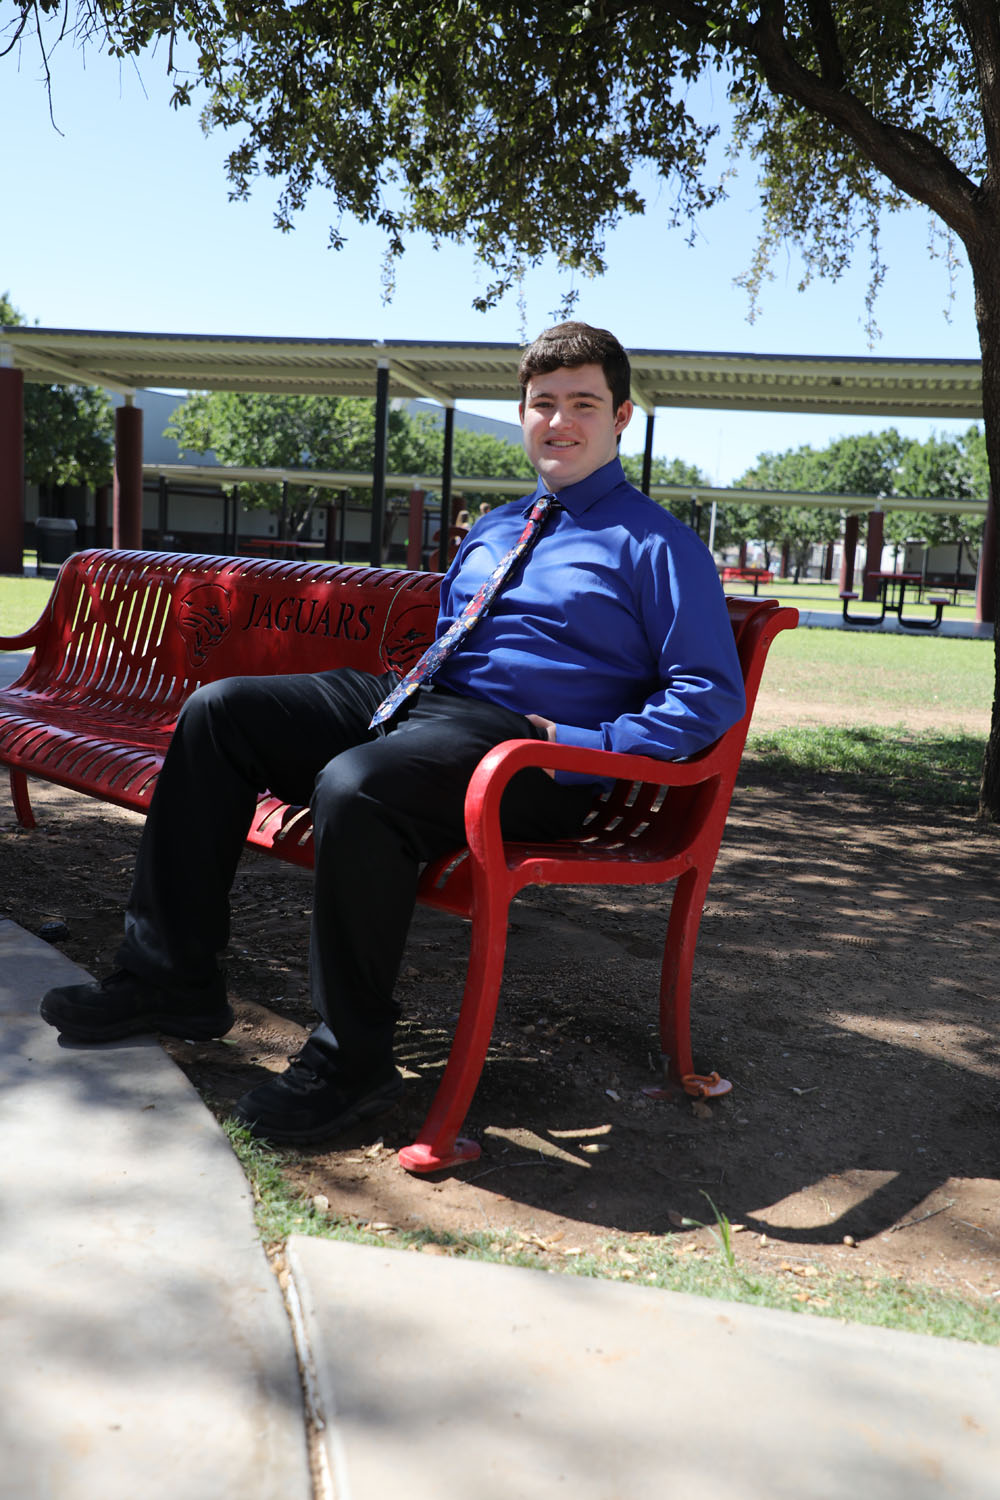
(846, 982)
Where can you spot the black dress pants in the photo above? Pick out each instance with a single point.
(383, 802)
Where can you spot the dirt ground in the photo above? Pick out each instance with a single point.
(846, 982)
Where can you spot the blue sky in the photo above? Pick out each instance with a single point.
(122, 221)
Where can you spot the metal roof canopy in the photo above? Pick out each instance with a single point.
(701, 494)
(449, 372)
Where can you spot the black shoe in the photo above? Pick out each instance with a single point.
(310, 1100)
(125, 1005)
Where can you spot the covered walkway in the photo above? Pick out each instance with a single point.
(450, 372)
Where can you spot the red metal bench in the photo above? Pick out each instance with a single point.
(756, 576)
(127, 636)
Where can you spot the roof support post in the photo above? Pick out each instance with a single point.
(380, 459)
(848, 554)
(415, 533)
(162, 509)
(986, 580)
(870, 586)
(11, 468)
(647, 454)
(102, 531)
(126, 522)
(447, 464)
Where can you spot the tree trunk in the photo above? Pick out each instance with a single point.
(989, 791)
(985, 261)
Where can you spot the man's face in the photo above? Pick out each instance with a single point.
(570, 425)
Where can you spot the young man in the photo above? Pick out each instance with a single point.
(610, 631)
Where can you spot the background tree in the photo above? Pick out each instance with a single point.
(667, 471)
(797, 526)
(952, 470)
(807, 527)
(881, 466)
(485, 455)
(254, 430)
(517, 127)
(862, 465)
(67, 428)
(761, 525)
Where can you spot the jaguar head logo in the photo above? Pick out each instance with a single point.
(408, 636)
(204, 618)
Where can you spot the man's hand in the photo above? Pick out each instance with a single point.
(549, 730)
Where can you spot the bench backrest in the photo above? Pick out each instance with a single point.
(142, 630)
(147, 628)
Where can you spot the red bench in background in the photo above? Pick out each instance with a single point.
(756, 576)
(127, 636)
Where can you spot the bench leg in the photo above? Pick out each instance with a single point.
(21, 800)
(675, 987)
(924, 624)
(438, 1144)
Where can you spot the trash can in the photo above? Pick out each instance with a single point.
(55, 538)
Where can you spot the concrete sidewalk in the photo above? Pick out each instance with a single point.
(446, 1378)
(148, 1354)
(146, 1351)
(12, 664)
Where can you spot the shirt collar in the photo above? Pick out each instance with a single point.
(579, 497)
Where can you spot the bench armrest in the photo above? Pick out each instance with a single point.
(490, 778)
(26, 638)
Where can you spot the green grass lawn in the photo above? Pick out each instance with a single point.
(942, 769)
(887, 677)
(281, 1211)
(908, 714)
(21, 602)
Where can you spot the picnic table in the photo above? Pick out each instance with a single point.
(892, 594)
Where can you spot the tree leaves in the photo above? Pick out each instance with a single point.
(67, 428)
(333, 433)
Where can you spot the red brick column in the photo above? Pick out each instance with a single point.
(873, 554)
(11, 470)
(847, 558)
(126, 525)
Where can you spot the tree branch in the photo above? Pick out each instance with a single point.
(916, 165)
(980, 21)
(827, 43)
(910, 160)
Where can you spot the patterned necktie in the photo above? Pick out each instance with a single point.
(473, 611)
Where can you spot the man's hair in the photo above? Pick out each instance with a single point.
(569, 345)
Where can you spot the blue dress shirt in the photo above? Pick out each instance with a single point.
(615, 626)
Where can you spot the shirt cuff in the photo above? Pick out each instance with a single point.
(584, 739)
